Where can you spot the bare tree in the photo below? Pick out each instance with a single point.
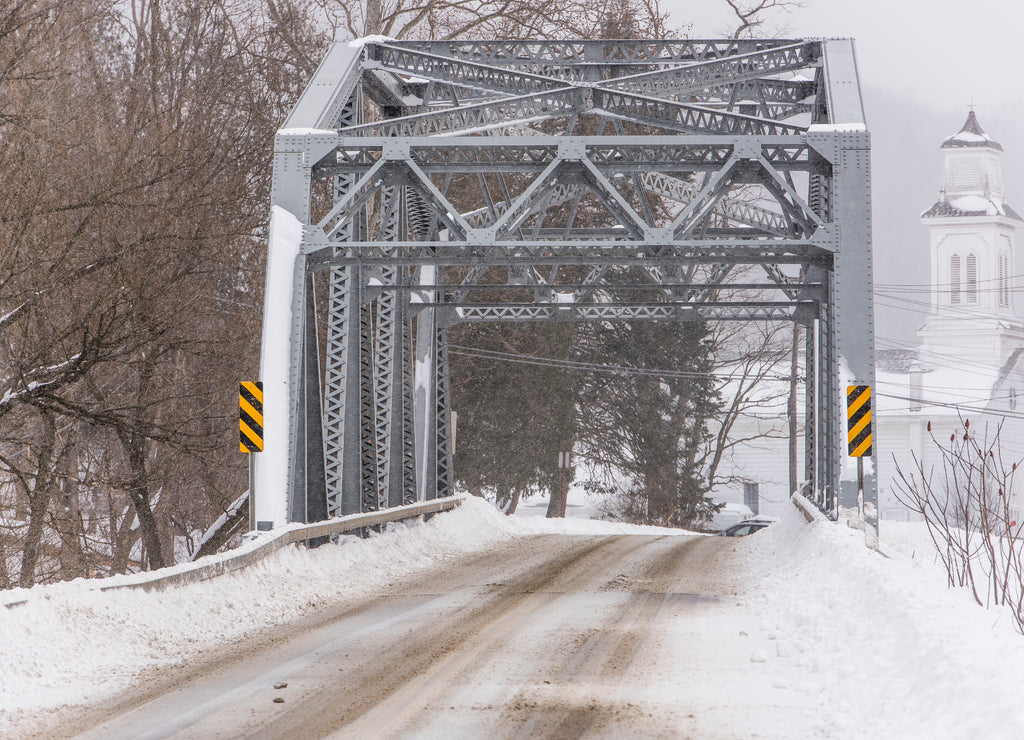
(751, 16)
(969, 512)
(515, 19)
(129, 291)
(751, 358)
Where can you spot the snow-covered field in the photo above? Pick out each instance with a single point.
(876, 639)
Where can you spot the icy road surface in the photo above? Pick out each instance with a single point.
(546, 636)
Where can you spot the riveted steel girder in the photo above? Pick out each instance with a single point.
(727, 178)
(572, 58)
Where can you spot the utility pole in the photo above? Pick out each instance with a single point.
(563, 464)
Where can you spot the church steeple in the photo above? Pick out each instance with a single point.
(972, 252)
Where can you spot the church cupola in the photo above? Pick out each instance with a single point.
(972, 178)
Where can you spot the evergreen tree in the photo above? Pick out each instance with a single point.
(645, 425)
(513, 418)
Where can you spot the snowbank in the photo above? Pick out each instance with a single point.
(76, 645)
(897, 654)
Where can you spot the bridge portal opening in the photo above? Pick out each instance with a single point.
(425, 186)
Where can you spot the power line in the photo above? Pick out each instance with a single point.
(958, 406)
(487, 354)
(963, 310)
(536, 360)
(940, 387)
(945, 286)
(572, 365)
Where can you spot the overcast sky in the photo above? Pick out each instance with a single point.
(921, 64)
(926, 49)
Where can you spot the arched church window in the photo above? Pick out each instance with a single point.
(971, 287)
(1004, 280)
(1000, 279)
(954, 279)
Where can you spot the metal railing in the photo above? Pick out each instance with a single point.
(259, 548)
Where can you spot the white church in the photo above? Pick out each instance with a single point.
(970, 360)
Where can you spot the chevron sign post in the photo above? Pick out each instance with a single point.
(250, 432)
(250, 416)
(858, 419)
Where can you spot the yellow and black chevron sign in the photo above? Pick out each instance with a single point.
(858, 419)
(250, 416)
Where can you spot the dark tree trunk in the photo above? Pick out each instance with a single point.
(374, 20)
(555, 502)
(235, 521)
(5, 575)
(138, 490)
(122, 538)
(68, 519)
(513, 502)
(39, 494)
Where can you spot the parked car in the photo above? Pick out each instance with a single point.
(747, 526)
(727, 516)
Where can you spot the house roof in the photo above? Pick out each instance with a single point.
(1011, 364)
(895, 360)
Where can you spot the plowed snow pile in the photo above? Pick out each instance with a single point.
(895, 653)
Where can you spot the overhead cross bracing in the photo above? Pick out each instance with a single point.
(429, 183)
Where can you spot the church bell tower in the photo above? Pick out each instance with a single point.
(973, 313)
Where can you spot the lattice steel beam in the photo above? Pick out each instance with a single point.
(574, 56)
(462, 73)
(715, 73)
(523, 154)
(731, 209)
(668, 114)
(481, 117)
(762, 311)
(745, 251)
(789, 286)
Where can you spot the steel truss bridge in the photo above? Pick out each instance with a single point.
(421, 184)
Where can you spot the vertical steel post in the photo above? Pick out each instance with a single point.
(853, 304)
(367, 469)
(252, 493)
(309, 486)
(812, 404)
(425, 399)
(443, 480)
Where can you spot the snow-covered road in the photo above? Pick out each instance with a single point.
(546, 636)
(478, 625)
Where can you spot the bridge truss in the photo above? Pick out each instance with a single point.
(420, 184)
